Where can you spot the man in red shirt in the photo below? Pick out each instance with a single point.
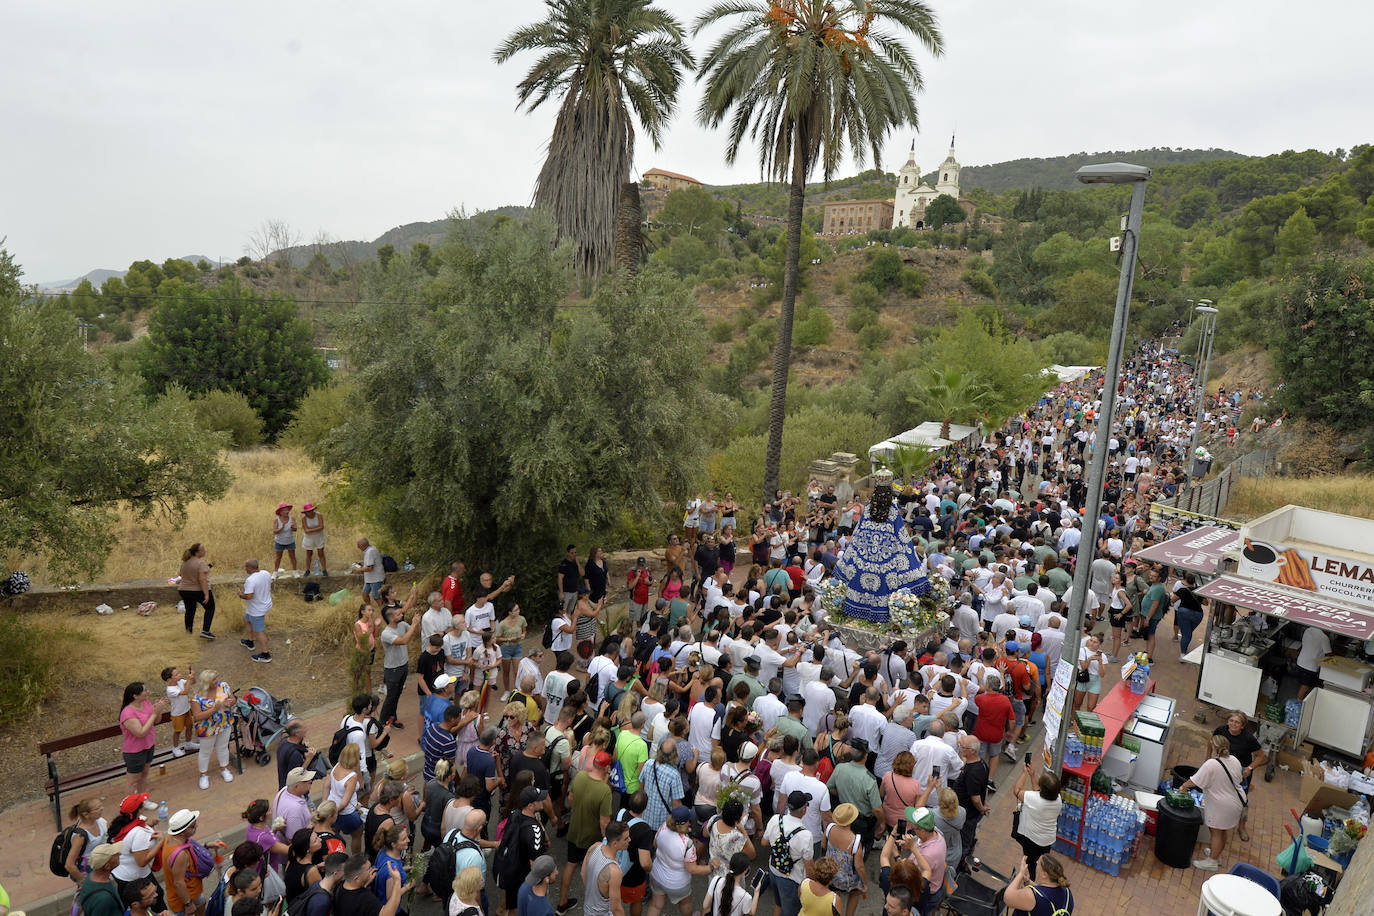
(797, 576)
(452, 589)
(637, 581)
(995, 718)
(1016, 675)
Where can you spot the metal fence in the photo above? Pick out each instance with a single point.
(1210, 496)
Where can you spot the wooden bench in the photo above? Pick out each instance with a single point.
(56, 785)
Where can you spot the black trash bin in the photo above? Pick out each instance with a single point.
(1176, 834)
(1182, 774)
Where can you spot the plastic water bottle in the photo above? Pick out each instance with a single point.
(162, 811)
(410, 567)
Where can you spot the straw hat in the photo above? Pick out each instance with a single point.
(845, 814)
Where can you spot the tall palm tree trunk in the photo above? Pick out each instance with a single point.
(629, 240)
(782, 350)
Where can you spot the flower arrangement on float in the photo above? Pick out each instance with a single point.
(909, 614)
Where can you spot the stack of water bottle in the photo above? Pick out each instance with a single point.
(1292, 713)
(1073, 750)
(1071, 814)
(1140, 678)
(1110, 832)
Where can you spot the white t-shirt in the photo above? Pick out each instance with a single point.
(1315, 644)
(555, 690)
(770, 662)
(456, 646)
(562, 640)
(769, 709)
(479, 619)
(435, 620)
(258, 587)
(798, 841)
(528, 667)
(603, 669)
(820, 700)
(180, 705)
(373, 557)
(702, 728)
(674, 851)
(820, 797)
(358, 737)
(739, 905)
(138, 839)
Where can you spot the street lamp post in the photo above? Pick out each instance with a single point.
(1136, 176)
(1205, 339)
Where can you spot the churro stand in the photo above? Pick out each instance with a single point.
(1285, 572)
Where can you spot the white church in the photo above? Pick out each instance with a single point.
(914, 195)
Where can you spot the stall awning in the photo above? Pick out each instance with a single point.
(1291, 604)
(1197, 551)
(927, 435)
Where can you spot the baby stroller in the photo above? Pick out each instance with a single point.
(979, 892)
(266, 718)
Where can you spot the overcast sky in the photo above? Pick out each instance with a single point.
(151, 130)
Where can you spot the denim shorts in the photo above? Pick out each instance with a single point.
(279, 546)
(255, 624)
(348, 823)
(373, 588)
(512, 650)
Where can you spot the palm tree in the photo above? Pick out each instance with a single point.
(951, 394)
(612, 62)
(814, 81)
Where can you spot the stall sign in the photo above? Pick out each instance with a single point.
(1199, 550)
(1336, 577)
(1291, 606)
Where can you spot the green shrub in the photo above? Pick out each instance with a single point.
(979, 281)
(32, 660)
(229, 412)
(122, 331)
(839, 285)
(814, 330)
(884, 267)
(860, 318)
(322, 411)
(912, 281)
(722, 331)
(874, 336)
(864, 295)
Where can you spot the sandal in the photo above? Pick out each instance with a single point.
(1243, 835)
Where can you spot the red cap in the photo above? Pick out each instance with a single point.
(132, 804)
(603, 760)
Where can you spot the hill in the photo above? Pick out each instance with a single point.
(1056, 172)
(101, 274)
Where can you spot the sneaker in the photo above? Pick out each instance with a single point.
(296, 574)
(1206, 864)
(262, 657)
(992, 786)
(397, 723)
(177, 751)
(246, 643)
(325, 573)
(226, 775)
(189, 746)
(563, 908)
(206, 634)
(204, 781)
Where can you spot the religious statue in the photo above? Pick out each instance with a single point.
(880, 559)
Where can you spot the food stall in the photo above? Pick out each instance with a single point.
(1286, 572)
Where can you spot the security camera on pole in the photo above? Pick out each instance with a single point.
(1136, 176)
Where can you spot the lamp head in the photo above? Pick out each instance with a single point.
(1206, 310)
(1113, 173)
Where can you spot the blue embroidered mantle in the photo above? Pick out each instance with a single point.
(880, 559)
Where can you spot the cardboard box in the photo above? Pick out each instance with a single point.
(1313, 780)
(1325, 797)
(1294, 760)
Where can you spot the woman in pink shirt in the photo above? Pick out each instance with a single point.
(899, 789)
(137, 720)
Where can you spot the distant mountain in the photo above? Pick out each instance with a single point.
(101, 274)
(1056, 173)
(402, 238)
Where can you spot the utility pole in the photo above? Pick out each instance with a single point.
(1136, 176)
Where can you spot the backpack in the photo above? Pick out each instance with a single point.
(780, 857)
(389, 563)
(551, 746)
(311, 592)
(506, 864)
(443, 865)
(61, 848)
(644, 647)
(336, 744)
(615, 777)
(215, 905)
(1066, 910)
(546, 638)
(202, 860)
(300, 904)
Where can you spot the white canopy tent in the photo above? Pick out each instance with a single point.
(1070, 373)
(927, 435)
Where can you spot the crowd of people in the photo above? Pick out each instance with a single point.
(721, 729)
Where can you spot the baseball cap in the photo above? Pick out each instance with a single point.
(132, 803)
(921, 817)
(299, 775)
(184, 818)
(641, 562)
(748, 750)
(543, 867)
(101, 855)
(682, 814)
(532, 795)
(1013, 646)
(443, 681)
(1025, 620)
(797, 799)
(602, 760)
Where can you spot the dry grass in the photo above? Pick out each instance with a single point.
(1349, 494)
(238, 526)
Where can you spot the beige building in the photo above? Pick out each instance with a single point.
(668, 181)
(855, 217)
